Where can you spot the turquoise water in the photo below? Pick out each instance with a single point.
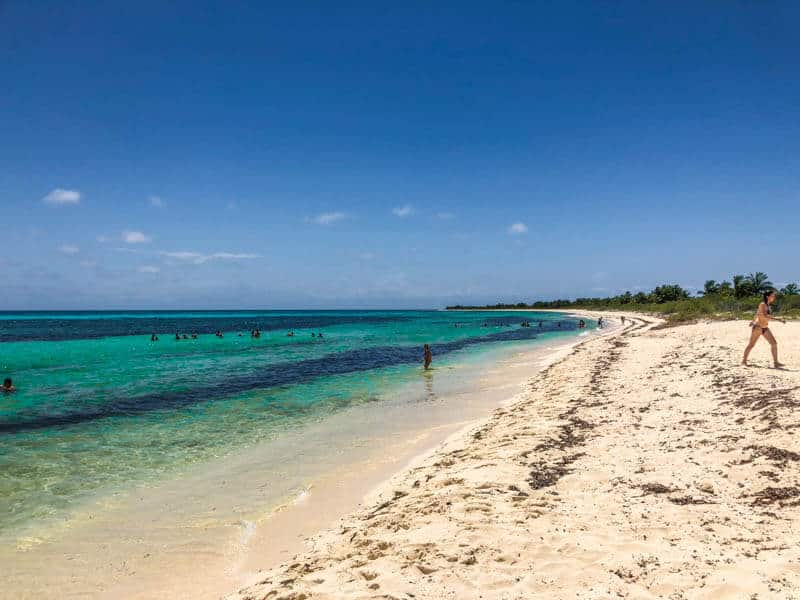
(101, 407)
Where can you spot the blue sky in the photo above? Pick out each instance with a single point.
(363, 154)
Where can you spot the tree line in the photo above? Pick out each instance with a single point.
(741, 293)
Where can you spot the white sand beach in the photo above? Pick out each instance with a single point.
(645, 463)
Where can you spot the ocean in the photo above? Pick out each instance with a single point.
(101, 409)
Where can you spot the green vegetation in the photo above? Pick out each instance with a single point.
(738, 298)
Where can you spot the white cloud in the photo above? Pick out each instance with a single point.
(135, 237)
(156, 202)
(326, 218)
(517, 229)
(233, 256)
(198, 258)
(446, 216)
(148, 269)
(68, 249)
(61, 197)
(182, 255)
(403, 211)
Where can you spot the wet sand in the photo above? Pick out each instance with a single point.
(644, 464)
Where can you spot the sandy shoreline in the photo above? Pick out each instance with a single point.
(644, 464)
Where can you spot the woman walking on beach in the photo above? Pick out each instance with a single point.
(760, 325)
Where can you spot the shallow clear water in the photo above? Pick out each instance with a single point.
(100, 407)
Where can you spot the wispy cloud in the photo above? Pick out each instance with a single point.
(68, 249)
(326, 218)
(156, 202)
(198, 258)
(148, 269)
(135, 237)
(446, 216)
(182, 255)
(234, 256)
(103, 238)
(88, 264)
(62, 197)
(517, 229)
(366, 256)
(403, 211)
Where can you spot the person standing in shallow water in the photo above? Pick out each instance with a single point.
(428, 356)
(760, 325)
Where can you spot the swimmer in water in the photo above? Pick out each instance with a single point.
(8, 386)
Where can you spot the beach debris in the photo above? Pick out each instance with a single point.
(545, 474)
(656, 488)
(776, 455)
(685, 500)
(771, 495)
